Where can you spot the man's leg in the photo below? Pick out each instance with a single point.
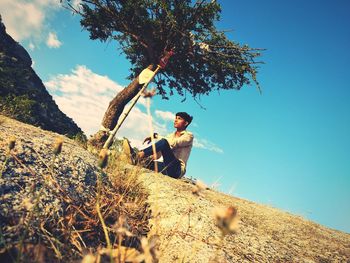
(172, 166)
(163, 147)
(152, 166)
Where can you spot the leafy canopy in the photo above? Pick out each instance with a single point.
(204, 60)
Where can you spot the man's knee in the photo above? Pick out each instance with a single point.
(164, 142)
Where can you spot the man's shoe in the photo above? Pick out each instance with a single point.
(128, 152)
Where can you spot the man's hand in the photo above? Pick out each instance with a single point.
(148, 139)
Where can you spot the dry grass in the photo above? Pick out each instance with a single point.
(83, 228)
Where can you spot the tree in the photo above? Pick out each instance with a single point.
(204, 58)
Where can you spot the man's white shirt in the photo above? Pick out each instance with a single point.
(181, 147)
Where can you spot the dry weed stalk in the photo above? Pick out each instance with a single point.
(57, 146)
(32, 208)
(102, 163)
(89, 258)
(11, 146)
(150, 253)
(103, 158)
(98, 209)
(128, 187)
(33, 211)
(12, 142)
(198, 188)
(216, 184)
(227, 220)
(150, 94)
(57, 149)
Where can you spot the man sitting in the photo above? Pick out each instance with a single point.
(175, 148)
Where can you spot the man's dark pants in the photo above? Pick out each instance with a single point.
(170, 166)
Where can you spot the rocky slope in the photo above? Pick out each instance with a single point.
(23, 96)
(37, 188)
(183, 221)
(188, 232)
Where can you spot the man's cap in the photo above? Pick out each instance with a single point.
(185, 116)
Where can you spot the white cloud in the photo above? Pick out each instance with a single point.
(165, 115)
(207, 145)
(27, 19)
(84, 96)
(52, 41)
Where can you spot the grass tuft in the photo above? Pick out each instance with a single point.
(115, 218)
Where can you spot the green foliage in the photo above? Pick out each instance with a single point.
(117, 145)
(12, 74)
(21, 107)
(205, 59)
(81, 139)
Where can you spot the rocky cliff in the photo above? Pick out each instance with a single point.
(23, 96)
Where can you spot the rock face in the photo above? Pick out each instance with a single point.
(23, 96)
(188, 233)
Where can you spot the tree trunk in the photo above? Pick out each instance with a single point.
(114, 110)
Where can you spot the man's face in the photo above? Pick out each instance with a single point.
(180, 123)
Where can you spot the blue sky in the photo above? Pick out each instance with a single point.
(288, 148)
